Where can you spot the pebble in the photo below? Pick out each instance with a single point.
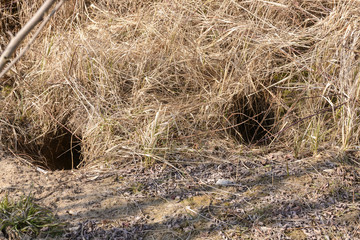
(224, 182)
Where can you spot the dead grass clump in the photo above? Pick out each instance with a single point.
(144, 78)
(9, 19)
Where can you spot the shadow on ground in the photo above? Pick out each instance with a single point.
(272, 197)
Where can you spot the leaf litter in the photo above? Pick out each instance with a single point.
(266, 196)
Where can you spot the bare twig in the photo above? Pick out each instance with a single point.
(20, 36)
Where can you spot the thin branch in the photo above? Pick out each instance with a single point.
(20, 36)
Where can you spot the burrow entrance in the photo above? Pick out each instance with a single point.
(58, 150)
(251, 119)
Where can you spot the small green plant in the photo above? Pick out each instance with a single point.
(22, 218)
(137, 187)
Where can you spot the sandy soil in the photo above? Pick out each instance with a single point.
(257, 196)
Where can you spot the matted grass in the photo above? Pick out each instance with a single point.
(139, 80)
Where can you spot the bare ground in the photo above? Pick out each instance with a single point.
(249, 196)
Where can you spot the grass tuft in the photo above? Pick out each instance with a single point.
(23, 217)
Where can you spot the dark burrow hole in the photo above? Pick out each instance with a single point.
(251, 119)
(59, 150)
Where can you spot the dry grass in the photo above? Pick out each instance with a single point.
(141, 79)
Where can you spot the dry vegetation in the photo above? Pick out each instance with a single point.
(142, 79)
(187, 82)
